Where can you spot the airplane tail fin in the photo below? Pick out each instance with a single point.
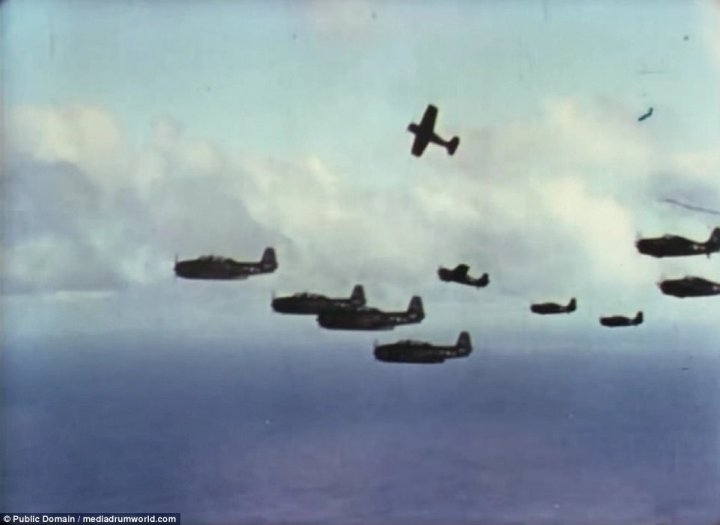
(269, 260)
(638, 318)
(463, 343)
(175, 267)
(714, 241)
(484, 280)
(572, 305)
(452, 145)
(357, 297)
(415, 308)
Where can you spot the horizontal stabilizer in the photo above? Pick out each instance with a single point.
(452, 145)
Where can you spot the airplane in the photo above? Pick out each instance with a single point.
(425, 133)
(311, 303)
(223, 268)
(689, 287)
(554, 308)
(409, 351)
(365, 318)
(676, 246)
(646, 115)
(620, 320)
(459, 275)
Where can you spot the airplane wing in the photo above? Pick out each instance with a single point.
(428, 121)
(419, 145)
(424, 131)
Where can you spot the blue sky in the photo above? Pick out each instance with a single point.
(138, 130)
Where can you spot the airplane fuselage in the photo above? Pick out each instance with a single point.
(309, 305)
(366, 319)
(450, 276)
(619, 321)
(220, 269)
(423, 353)
(549, 308)
(399, 353)
(356, 320)
(673, 246)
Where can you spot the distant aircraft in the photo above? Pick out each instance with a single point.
(459, 275)
(223, 268)
(365, 318)
(408, 351)
(310, 303)
(425, 133)
(676, 246)
(619, 320)
(554, 308)
(645, 115)
(689, 287)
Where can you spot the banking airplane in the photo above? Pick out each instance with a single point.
(425, 133)
(459, 274)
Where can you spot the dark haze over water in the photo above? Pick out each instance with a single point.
(326, 435)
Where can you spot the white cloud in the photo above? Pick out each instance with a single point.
(538, 204)
(603, 229)
(84, 136)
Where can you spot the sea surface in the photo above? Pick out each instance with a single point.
(323, 434)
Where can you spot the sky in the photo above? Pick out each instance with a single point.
(135, 132)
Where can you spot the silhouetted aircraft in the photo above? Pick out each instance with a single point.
(689, 287)
(645, 115)
(224, 268)
(619, 320)
(310, 303)
(371, 318)
(676, 246)
(425, 133)
(408, 351)
(459, 275)
(554, 308)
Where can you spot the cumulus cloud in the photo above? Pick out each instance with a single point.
(83, 136)
(538, 204)
(547, 192)
(86, 212)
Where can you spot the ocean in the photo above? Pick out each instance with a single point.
(323, 434)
